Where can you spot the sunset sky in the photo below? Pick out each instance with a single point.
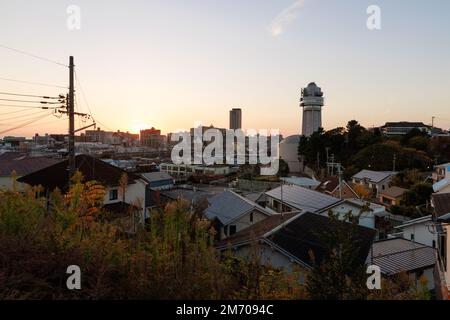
(169, 64)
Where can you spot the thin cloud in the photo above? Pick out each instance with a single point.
(285, 17)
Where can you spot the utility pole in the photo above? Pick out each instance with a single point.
(71, 110)
(393, 162)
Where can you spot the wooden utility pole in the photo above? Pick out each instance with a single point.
(71, 110)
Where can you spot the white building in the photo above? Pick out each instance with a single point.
(376, 181)
(312, 103)
(420, 230)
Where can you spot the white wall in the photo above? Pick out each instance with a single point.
(244, 222)
(421, 234)
(367, 219)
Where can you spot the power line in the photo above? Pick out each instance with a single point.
(29, 95)
(22, 125)
(29, 101)
(27, 107)
(34, 83)
(33, 55)
(23, 115)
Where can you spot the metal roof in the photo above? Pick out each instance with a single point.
(228, 206)
(299, 181)
(400, 255)
(374, 176)
(302, 198)
(156, 176)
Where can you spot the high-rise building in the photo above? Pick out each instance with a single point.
(235, 118)
(312, 103)
(151, 138)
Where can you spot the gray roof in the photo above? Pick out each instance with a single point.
(302, 182)
(374, 176)
(228, 206)
(400, 255)
(156, 176)
(303, 199)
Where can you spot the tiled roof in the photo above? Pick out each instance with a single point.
(156, 176)
(441, 203)
(400, 255)
(302, 198)
(23, 164)
(302, 182)
(393, 192)
(299, 235)
(227, 206)
(374, 176)
(257, 230)
(92, 169)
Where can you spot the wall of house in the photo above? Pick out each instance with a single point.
(6, 183)
(270, 257)
(421, 234)
(347, 193)
(135, 195)
(445, 189)
(367, 219)
(244, 222)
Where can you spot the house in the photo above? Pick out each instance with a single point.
(290, 198)
(376, 181)
(301, 182)
(287, 198)
(391, 196)
(56, 176)
(233, 213)
(194, 196)
(396, 256)
(291, 240)
(440, 203)
(21, 164)
(158, 180)
(419, 230)
(403, 127)
(442, 171)
(332, 187)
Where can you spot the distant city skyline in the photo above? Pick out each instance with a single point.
(168, 65)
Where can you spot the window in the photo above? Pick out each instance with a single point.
(232, 230)
(383, 187)
(434, 244)
(225, 230)
(412, 236)
(113, 194)
(251, 216)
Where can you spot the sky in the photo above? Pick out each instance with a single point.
(170, 64)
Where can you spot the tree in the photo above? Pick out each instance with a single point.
(283, 170)
(419, 194)
(341, 273)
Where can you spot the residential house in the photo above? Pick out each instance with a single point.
(403, 127)
(420, 230)
(291, 240)
(158, 180)
(376, 181)
(391, 196)
(232, 213)
(396, 256)
(56, 176)
(290, 198)
(333, 187)
(21, 164)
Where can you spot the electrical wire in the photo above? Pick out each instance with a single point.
(30, 95)
(34, 83)
(27, 107)
(33, 55)
(23, 115)
(29, 101)
(22, 125)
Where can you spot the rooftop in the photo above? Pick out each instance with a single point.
(393, 192)
(23, 163)
(228, 206)
(91, 168)
(398, 255)
(302, 199)
(298, 235)
(374, 176)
